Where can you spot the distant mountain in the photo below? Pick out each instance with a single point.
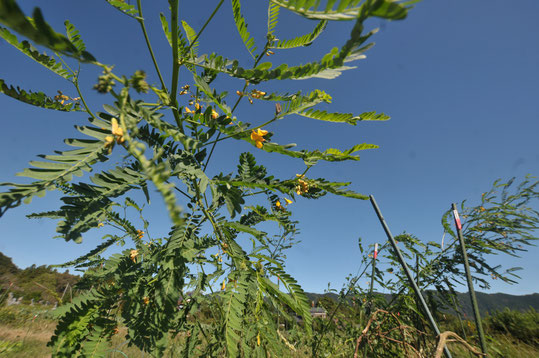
(488, 302)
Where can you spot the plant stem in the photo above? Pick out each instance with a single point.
(76, 83)
(140, 20)
(175, 60)
(204, 26)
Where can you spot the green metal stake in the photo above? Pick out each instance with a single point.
(369, 304)
(371, 289)
(470, 282)
(408, 272)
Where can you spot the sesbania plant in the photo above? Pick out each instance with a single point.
(157, 289)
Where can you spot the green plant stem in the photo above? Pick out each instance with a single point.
(140, 20)
(204, 26)
(175, 61)
(76, 83)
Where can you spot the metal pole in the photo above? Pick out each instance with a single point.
(371, 288)
(408, 273)
(470, 282)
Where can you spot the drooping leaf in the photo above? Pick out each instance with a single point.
(30, 51)
(37, 30)
(241, 25)
(300, 41)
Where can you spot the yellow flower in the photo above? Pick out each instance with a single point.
(133, 255)
(100, 225)
(288, 201)
(302, 187)
(117, 131)
(258, 137)
(197, 106)
(214, 114)
(187, 110)
(140, 234)
(223, 286)
(146, 300)
(257, 94)
(109, 143)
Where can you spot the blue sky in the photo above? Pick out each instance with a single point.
(459, 79)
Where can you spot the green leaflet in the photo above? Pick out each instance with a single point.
(273, 16)
(330, 66)
(30, 51)
(298, 300)
(235, 301)
(343, 117)
(245, 228)
(311, 157)
(90, 255)
(331, 117)
(68, 163)
(38, 99)
(191, 35)
(304, 40)
(92, 205)
(346, 9)
(74, 36)
(125, 8)
(38, 30)
(241, 25)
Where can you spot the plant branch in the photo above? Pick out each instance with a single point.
(140, 20)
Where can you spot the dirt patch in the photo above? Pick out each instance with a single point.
(18, 334)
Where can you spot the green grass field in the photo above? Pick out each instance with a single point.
(25, 331)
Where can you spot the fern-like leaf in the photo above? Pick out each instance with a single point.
(59, 168)
(125, 8)
(37, 30)
(241, 25)
(235, 300)
(74, 36)
(304, 40)
(273, 16)
(38, 99)
(346, 9)
(30, 51)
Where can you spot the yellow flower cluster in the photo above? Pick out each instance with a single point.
(117, 135)
(280, 206)
(133, 255)
(184, 90)
(257, 94)
(258, 137)
(140, 234)
(146, 300)
(302, 187)
(60, 97)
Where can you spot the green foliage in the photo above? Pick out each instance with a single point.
(166, 289)
(521, 325)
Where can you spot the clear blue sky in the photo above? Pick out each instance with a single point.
(460, 80)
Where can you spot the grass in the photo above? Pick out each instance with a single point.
(25, 331)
